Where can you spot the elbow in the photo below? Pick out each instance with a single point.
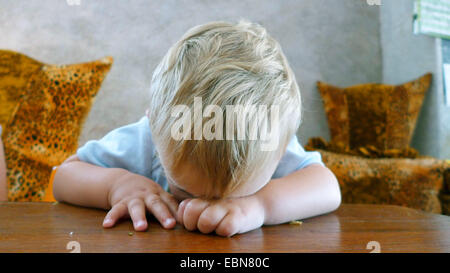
(329, 191)
(58, 181)
(335, 200)
(58, 187)
(334, 196)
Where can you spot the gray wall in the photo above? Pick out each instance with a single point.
(407, 56)
(328, 40)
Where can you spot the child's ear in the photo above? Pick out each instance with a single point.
(146, 112)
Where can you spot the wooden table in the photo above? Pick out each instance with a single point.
(48, 227)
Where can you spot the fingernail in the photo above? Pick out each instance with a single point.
(183, 203)
(140, 223)
(168, 222)
(107, 221)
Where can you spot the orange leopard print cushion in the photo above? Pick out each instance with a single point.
(380, 116)
(44, 128)
(15, 70)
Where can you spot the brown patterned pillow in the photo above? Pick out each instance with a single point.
(378, 115)
(445, 203)
(447, 177)
(414, 183)
(445, 195)
(369, 151)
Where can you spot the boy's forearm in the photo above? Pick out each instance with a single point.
(84, 184)
(305, 193)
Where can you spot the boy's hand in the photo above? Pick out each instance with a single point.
(226, 217)
(132, 195)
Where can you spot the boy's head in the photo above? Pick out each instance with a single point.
(212, 67)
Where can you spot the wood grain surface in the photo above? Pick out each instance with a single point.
(48, 227)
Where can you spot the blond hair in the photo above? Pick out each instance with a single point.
(224, 64)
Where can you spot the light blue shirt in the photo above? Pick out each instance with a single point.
(131, 147)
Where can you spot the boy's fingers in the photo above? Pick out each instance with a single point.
(171, 202)
(115, 213)
(228, 226)
(159, 209)
(192, 212)
(180, 211)
(136, 209)
(210, 218)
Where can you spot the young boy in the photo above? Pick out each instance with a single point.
(226, 186)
